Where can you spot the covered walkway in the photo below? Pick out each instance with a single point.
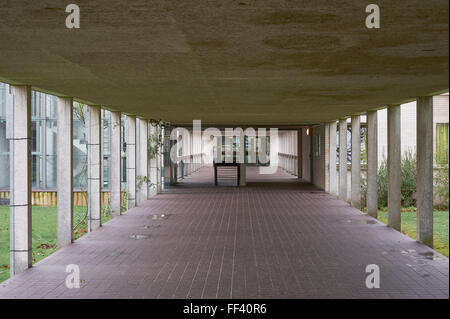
(268, 240)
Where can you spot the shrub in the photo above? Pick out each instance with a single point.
(382, 186)
(409, 173)
(363, 191)
(441, 188)
(408, 185)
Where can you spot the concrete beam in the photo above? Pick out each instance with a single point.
(131, 161)
(64, 171)
(115, 167)
(372, 164)
(394, 166)
(18, 120)
(356, 162)
(332, 154)
(425, 170)
(143, 172)
(94, 167)
(343, 159)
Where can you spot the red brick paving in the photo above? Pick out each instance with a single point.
(275, 238)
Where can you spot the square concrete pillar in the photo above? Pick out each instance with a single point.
(332, 153)
(243, 174)
(153, 166)
(343, 159)
(311, 154)
(173, 177)
(424, 219)
(131, 161)
(18, 132)
(327, 157)
(143, 173)
(159, 163)
(64, 170)
(356, 162)
(372, 164)
(115, 167)
(94, 167)
(299, 153)
(394, 166)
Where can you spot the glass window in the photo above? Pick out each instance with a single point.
(43, 144)
(106, 146)
(50, 153)
(79, 146)
(442, 143)
(4, 144)
(2, 100)
(36, 142)
(124, 153)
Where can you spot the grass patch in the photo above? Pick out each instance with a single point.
(44, 233)
(440, 227)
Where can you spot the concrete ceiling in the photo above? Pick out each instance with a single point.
(229, 62)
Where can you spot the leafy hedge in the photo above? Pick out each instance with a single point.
(441, 187)
(408, 185)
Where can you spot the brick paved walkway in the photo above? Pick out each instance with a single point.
(275, 238)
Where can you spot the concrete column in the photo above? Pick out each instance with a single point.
(299, 153)
(243, 175)
(94, 167)
(332, 154)
(394, 166)
(372, 164)
(292, 152)
(115, 164)
(425, 170)
(18, 132)
(356, 162)
(160, 162)
(143, 137)
(64, 170)
(311, 154)
(243, 167)
(131, 161)
(173, 165)
(153, 166)
(343, 159)
(288, 151)
(327, 157)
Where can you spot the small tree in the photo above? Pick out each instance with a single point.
(382, 187)
(441, 188)
(409, 178)
(408, 183)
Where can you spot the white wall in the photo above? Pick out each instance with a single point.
(408, 123)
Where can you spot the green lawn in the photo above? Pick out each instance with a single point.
(409, 227)
(44, 220)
